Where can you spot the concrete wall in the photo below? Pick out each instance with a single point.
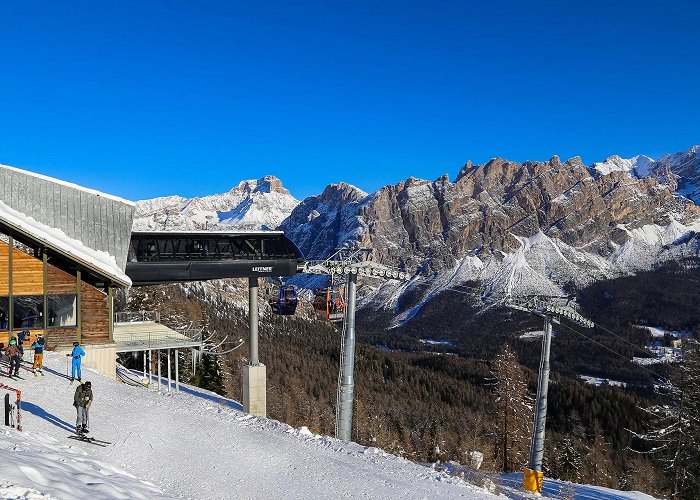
(100, 221)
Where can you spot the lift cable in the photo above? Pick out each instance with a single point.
(616, 353)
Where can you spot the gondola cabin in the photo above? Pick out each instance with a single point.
(284, 300)
(329, 305)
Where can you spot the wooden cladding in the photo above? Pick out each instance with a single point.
(27, 274)
(4, 268)
(95, 315)
(28, 278)
(59, 282)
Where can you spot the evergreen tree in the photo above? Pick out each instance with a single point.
(513, 411)
(675, 432)
(209, 375)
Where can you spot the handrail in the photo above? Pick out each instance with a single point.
(137, 317)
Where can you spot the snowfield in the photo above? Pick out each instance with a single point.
(189, 445)
(198, 445)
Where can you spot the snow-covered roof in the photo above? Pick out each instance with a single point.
(102, 263)
(68, 184)
(98, 222)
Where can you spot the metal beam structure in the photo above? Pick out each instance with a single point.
(551, 311)
(350, 264)
(176, 257)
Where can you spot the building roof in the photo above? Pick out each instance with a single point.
(96, 220)
(84, 226)
(101, 263)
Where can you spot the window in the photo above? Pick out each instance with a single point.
(61, 310)
(4, 313)
(28, 311)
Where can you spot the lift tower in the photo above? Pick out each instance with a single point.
(350, 264)
(552, 312)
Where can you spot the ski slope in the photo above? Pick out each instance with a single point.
(198, 445)
(189, 445)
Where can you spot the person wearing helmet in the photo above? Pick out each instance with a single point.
(82, 401)
(22, 337)
(76, 355)
(12, 352)
(38, 347)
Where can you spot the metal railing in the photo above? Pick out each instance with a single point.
(142, 341)
(137, 317)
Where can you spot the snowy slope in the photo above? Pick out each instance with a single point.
(252, 204)
(680, 171)
(637, 165)
(192, 445)
(199, 445)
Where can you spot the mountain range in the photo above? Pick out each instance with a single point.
(513, 228)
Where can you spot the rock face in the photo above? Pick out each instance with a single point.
(517, 228)
(252, 204)
(679, 171)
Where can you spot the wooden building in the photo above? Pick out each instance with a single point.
(62, 253)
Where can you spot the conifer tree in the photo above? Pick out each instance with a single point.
(514, 416)
(209, 375)
(675, 431)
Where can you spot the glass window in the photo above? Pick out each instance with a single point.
(28, 311)
(62, 310)
(4, 313)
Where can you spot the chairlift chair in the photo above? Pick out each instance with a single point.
(329, 304)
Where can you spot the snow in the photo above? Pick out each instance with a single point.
(553, 488)
(448, 343)
(252, 204)
(637, 166)
(98, 260)
(597, 381)
(194, 445)
(69, 184)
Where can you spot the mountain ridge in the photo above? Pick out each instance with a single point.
(516, 228)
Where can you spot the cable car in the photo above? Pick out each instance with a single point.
(284, 300)
(329, 304)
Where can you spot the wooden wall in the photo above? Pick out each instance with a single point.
(4, 269)
(27, 274)
(95, 315)
(28, 279)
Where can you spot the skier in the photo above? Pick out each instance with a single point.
(82, 401)
(21, 338)
(38, 347)
(12, 352)
(76, 356)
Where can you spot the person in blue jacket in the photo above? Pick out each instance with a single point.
(76, 357)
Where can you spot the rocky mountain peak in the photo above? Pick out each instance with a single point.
(266, 184)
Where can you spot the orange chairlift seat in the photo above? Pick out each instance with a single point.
(329, 304)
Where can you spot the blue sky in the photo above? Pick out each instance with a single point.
(149, 98)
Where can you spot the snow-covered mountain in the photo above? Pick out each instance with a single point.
(680, 171)
(252, 204)
(516, 228)
(637, 166)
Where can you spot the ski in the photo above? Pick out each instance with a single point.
(90, 440)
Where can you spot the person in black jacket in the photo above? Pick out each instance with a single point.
(82, 401)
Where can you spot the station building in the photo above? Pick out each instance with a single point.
(63, 252)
